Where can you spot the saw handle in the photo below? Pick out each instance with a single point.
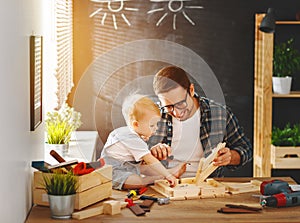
(56, 156)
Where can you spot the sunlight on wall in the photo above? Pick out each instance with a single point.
(49, 58)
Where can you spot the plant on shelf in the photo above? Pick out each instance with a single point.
(287, 136)
(61, 123)
(286, 59)
(61, 189)
(286, 63)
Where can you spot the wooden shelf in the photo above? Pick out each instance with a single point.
(263, 96)
(288, 22)
(292, 94)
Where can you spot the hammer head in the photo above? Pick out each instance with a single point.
(165, 200)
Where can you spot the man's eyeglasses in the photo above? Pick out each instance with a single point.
(179, 105)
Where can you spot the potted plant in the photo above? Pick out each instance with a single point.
(61, 189)
(288, 136)
(285, 148)
(60, 124)
(286, 62)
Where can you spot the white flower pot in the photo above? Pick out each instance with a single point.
(282, 85)
(61, 149)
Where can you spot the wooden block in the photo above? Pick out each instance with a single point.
(146, 204)
(111, 207)
(186, 190)
(187, 197)
(137, 210)
(199, 170)
(214, 183)
(204, 174)
(87, 213)
(180, 191)
(90, 212)
(123, 204)
(158, 190)
(207, 196)
(256, 182)
(215, 190)
(162, 186)
(177, 198)
(237, 188)
(187, 180)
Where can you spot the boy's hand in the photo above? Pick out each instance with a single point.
(172, 180)
(161, 151)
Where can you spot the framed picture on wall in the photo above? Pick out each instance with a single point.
(36, 74)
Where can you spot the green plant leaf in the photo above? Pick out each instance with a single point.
(61, 184)
(286, 59)
(60, 124)
(288, 136)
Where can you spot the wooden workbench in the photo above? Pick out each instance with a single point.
(202, 210)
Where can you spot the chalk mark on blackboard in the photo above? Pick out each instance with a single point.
(113, 9)
(174, 6)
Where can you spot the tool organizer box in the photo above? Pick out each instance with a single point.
(92, 187)
(285, 157)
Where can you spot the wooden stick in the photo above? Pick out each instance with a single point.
(199, 170)
(88, 213)
(92, 212)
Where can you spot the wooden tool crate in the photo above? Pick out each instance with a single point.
(93, 187)
(285, 157)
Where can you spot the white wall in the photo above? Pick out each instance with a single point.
(18, 20)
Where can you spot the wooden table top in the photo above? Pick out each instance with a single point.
(200, 210)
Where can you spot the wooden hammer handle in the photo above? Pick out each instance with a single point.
(56, 156)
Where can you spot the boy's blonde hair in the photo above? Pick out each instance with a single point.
(134, 106)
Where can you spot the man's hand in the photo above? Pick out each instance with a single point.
(161, 151)
(227, 157)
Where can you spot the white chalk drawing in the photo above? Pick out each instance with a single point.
(174, 7)
(114, 7)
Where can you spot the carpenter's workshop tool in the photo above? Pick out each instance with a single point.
(137, 210)
(272, 187)
(238, 209)
(281, 194)
(41, 166)
(283, 199)
(79, 168)
(160, 201)
(134, 193)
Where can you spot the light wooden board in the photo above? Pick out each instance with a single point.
(206, 166)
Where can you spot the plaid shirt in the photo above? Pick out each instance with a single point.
(218, 124)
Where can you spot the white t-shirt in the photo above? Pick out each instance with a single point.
(125, 144)
(186, 145)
